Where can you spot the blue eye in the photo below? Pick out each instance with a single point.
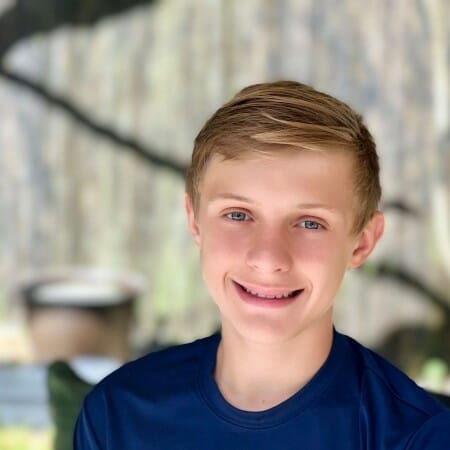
(238, 216)
(311, 225)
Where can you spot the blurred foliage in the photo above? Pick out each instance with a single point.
(435, 372)
(23, 438)
(67, 392)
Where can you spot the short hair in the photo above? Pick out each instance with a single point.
(288, 116)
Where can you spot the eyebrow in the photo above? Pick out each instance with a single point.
(317, 206)
(231, 196)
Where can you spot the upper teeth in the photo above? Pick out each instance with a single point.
(256, 294)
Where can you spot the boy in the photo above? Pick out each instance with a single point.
(281, 199)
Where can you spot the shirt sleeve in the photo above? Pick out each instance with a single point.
(88, 433)
(434, 434)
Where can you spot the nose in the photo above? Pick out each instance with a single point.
(270, 252)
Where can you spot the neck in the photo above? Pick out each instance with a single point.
(254, 377)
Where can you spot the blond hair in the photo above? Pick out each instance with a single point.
(267, 118)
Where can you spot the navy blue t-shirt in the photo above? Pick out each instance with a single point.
(169, 400)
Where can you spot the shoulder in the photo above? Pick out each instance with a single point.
(142, 388)
(381, 376)
(391, 403)
(171, 366)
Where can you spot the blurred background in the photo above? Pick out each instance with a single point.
(99, 104)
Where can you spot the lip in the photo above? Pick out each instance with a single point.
(266, 302)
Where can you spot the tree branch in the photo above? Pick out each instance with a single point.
(28, 17)
(146, 154)
(385, 270)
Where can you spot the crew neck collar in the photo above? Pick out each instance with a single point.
(280, 413)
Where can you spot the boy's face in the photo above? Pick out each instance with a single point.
(278, 226)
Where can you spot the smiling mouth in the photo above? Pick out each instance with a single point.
(284, 295)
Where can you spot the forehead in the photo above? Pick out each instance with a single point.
(305, 177)
(275, 158)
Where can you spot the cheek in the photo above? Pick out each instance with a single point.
(221, 241)
(220, 251)
(324, 258)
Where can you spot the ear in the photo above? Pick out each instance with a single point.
(193, 227)
(367, 240)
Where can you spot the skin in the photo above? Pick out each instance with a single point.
(276, 225)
